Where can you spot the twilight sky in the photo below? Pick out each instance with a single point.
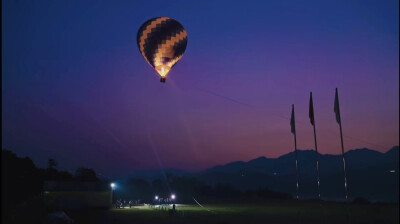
(76, 88)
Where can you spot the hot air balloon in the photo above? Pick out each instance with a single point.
(162, 42)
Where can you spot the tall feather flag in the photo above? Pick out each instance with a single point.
(311, 111)
(292, 122)
(337, 113)
(336, 107)
(311, 115)
(293, 130)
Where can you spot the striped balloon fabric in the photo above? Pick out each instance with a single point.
(162, 42)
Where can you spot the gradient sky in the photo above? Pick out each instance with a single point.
(76, 88)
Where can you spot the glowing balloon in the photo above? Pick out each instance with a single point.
(162, 42)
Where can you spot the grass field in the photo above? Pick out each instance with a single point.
(273, 212)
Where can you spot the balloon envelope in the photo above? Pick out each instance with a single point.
(162, 42)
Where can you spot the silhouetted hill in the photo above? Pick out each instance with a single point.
(371, 174)
(284, 165)
(393, 156)
(151, 175)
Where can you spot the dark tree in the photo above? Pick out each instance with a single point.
(86, 174)
(139, 189)
(21, 180)
(159, 187)
(52, 164)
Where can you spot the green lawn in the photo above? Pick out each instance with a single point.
(273, 212)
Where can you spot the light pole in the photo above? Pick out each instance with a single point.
(156, 199)
(111, 194)
(173, 201)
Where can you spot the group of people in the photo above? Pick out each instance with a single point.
(124, 203)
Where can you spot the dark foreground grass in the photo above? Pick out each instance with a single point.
(272, 212)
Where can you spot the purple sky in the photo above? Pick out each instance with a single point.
(76, 88)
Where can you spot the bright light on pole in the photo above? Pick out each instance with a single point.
(156, 197)
(173, 196)
(111, 194)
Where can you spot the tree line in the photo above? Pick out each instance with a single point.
(22, 181)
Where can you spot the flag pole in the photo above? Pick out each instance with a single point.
(344, 164)
(316, 153)
(315, 142)
(297, 167)
(295, 151)
(338, 118)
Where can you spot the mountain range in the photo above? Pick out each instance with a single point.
(371, 174)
